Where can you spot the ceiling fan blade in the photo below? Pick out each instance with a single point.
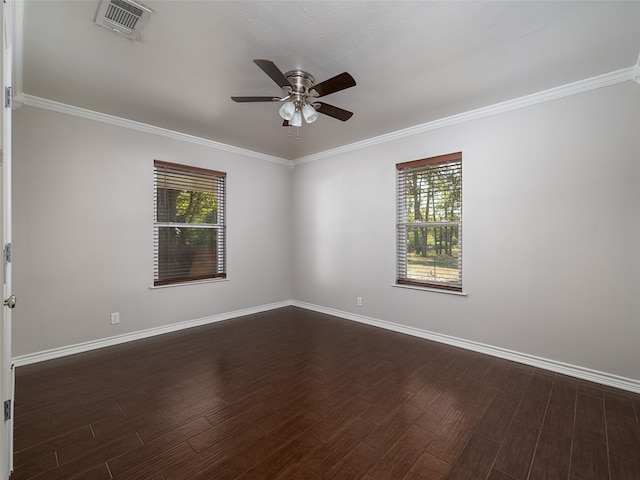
(334, 84)
(274, 72)
(255, 99)
(334, 112)
(285, 123)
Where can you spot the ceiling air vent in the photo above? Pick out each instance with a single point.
(123, 16)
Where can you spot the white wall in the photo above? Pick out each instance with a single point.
(551, 232)
(83, 231)
(551, 229)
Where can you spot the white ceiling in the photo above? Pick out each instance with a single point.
(414, 62)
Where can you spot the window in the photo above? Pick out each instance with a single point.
(189, 227)
(429, 229)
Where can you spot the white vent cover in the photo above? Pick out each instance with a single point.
(123, 16)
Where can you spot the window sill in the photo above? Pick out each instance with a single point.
(184, 284)
(429, 289)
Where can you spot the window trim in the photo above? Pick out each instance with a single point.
(402, 225)
(220, 226)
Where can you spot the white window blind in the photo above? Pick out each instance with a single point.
(429, 222)
(189, 241)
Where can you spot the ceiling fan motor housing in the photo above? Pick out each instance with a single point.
(300, 81)
(301, 86)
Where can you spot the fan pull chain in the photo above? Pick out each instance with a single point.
(297, 132)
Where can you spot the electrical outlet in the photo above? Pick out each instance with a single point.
(359, 301)
(115, 318)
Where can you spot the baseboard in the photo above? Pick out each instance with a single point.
(596, 376)
(141, 334)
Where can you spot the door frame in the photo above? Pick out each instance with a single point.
(6, 363)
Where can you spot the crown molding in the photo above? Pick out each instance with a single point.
(611, 78)
(21, 98)
(604, 80)
(58, 107)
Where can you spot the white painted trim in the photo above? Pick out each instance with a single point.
(38, 102)
(430, 289)
(596, 376)
(604, 80)
(18, 46)
(631, 73)
(184, 284)
(603, 378)
(141, 334)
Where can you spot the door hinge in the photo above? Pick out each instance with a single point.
(6, 259)
(7, 97)
(7, 410)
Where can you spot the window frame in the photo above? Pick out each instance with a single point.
(218, 179)
(403, 224)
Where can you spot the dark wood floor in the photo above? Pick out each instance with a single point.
(292, 394)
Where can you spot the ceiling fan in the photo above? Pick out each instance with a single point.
(300, 94)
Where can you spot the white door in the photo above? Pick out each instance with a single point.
(6, 366)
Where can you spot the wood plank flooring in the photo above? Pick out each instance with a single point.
(293, 394)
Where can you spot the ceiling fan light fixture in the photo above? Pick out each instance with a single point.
(300, 94)
(309, 113)
(287, 110)
(296, 120)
